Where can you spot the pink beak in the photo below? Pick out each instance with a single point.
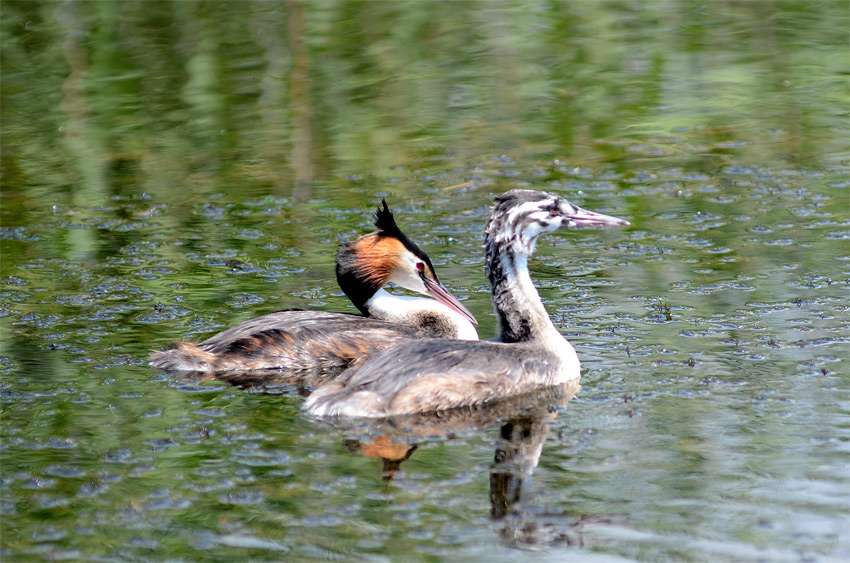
(436, 290)
(585, 218)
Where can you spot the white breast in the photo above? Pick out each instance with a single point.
(405, 310)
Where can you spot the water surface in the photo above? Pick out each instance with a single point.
(170, 169)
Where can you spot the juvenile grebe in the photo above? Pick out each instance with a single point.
(430, 375)
(316, 340)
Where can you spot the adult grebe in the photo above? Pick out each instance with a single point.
(430, 374)
(316, 340)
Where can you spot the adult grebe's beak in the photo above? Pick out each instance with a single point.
(436, 290)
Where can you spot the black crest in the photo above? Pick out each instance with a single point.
(385, 222)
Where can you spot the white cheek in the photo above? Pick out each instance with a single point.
(408, 280)
(548, 225)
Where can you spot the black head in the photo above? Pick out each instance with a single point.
(367, 264)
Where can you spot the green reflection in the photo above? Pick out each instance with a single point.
(172, 168)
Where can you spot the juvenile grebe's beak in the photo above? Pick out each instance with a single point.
(584, 218)
(436, 290)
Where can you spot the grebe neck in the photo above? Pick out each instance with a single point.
(357, 283)
(421, 311)
(521, 314)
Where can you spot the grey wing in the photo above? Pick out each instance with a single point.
(426, 375)
(291, 321)
(291, 340)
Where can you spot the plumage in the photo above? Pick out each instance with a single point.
(327, 342)
(435, 374)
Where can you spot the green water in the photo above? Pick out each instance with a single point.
(172, 168)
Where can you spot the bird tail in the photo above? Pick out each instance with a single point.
(183, 356)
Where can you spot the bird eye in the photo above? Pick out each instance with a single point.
(420, 266)
(554, 212)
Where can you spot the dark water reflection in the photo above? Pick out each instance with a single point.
(523, 425)
(172, 168)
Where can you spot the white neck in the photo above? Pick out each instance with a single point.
(405, 310)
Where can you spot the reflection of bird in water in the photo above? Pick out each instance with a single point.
(522, 522)
(430, 374)
(391, 453)
(520, 444)
(325, 341)
(523, 424)
(395, 439)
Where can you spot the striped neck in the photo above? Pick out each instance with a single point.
(521, 315)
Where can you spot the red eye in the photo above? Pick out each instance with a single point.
(420, 266)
